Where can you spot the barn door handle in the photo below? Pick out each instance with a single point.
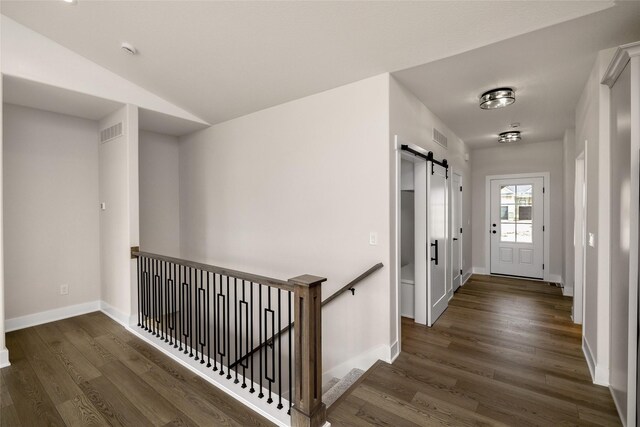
(455, 239)
(435, 245)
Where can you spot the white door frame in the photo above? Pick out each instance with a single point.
(579, 236)
(452, 194)
(545, 220)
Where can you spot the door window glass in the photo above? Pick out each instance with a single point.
(516, 213)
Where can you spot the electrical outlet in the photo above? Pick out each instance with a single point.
(64, 289)
(373, 238)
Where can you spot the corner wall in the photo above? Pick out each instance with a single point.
(295, 189)
(593, 137)
(119, 221)
(50, 212)
(159, 194)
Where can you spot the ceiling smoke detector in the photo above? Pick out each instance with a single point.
(129, 48)
(497, 98)
(511, 136)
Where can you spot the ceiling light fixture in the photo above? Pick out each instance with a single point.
(70, 1)
(497, 98)
(129, 48)
(511, 136)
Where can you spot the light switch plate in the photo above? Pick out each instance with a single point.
(592, 240)
(373, 238)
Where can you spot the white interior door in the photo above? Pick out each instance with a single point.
(516, 227)
(437, 238)
(456, 230)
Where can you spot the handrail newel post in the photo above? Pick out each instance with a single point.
(308, 410)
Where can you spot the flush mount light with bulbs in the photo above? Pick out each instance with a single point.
(510, 136)
(497, 98)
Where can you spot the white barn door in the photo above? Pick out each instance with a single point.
(437, 298)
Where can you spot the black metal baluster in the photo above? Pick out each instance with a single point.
(216, 325)
(181, 325)
(252, 389)
(260, 394)
(222, 316)
(158, 285)
(237, 331)
(138, 261)
(208, 320)
(271, 345)
(171, 284)
(201, 319)
(190, 311)
(153, 295)
(279, 349)
(197, 318)
(245, 335)
(174, 307)
(228, 331)
(290, 333)
(147, 298)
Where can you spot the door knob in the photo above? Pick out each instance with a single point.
(494, 225)
(494, 231)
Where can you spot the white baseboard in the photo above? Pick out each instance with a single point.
(4, 358)
(278, 417)
(599, 374)
(50, 315)
(556, 278)
(479, 270)
(616, 400)
(362, 361)
(394, 351)
(115, 314)
(466, 277)
(567, 292)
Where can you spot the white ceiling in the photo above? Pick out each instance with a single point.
(221, 60)
(548, 68)
(32, 94)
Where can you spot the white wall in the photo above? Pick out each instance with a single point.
(296, 189)
(413, 122)
(592, 136)
(569, 167)
(118, 223)
(514, 159)
(159, 194)
(51, 210)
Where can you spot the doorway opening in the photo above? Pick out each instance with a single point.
(579, 238)
(517, 212)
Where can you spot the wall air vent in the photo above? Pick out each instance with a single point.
(111, 132)
(439, 138)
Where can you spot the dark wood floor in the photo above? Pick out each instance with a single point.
(88, 370)
(505, 352)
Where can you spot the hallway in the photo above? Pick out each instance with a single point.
(504, 353)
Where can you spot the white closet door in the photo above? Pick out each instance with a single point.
(437, 238)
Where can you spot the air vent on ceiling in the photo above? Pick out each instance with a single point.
(111, 132)
(439, 137)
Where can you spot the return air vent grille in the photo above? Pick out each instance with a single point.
(111, 132)
(439, 137)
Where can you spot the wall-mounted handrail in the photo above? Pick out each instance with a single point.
(263, 280)
(349, 286)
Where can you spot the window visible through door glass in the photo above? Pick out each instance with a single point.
(516, 213)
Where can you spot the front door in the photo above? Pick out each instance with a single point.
(437, 297)
(516, 227)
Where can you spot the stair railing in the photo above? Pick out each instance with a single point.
(215, 315)
(348, 287)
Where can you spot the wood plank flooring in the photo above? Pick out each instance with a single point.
(88, 370)
(505, 352)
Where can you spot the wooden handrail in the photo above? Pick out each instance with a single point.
(284, 330)
(268, 281)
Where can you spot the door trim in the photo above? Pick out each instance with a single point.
(452, 194)
(545, 219)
